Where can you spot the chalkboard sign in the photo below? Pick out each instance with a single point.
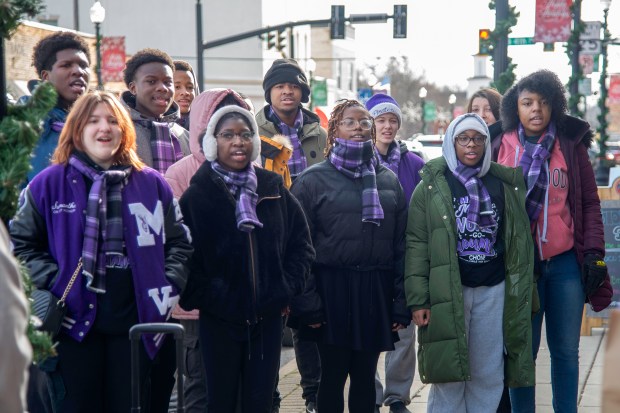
(610, 210)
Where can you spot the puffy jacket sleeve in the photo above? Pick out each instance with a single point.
(417, 264)
(594, 238)
(191, 297)
(178, 249)
(306, 307)
(400, 314)
(28, 232)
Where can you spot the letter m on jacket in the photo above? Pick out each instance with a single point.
(148, 222)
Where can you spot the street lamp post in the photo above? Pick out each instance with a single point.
(97, 16)
(452, 101)
(422, 96)
(602, 172)
(311, 67)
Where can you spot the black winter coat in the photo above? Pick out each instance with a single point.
(242, 277)
(359, 265)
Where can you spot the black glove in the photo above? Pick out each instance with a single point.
(593, 273)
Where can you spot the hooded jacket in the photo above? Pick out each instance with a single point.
(180, 174)
(575, 137)
(143, 133)
(313, 137)
(275, 153)
(433, 281)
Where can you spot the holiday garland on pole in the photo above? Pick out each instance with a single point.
(502, 29)
(20, 127)
(577, 72)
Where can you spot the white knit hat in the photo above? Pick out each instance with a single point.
(380, 104)
(209, 143)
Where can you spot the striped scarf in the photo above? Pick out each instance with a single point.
(298, 162)
(536, 169)
(480, 207)
(356, 160)
(242, 185)
(393, 157)
(165, 146)
(104, 221)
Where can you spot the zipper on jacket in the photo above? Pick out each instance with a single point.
(253, 276)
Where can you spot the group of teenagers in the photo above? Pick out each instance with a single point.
(179, 205)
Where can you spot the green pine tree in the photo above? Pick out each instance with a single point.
(19, 132)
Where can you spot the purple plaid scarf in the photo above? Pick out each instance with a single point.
(356, 160)
(242, 185)
(536, 169)
(104, 221)
(393, 157)
(165, 147)
(297, 163)
(480, 207)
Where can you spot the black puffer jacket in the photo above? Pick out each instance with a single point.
(359, 265)
(241, 277)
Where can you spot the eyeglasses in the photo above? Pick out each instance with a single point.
(351, 124)
(229, 136)
(464, 140)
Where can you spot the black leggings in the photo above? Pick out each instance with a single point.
(240, 369)
(338, 363)
(95, 375)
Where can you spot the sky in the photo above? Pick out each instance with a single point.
(443, 35)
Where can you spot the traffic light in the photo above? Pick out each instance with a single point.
(271, 40)
(336, 26)
(400, 21)
(281, 40)
(484, 42)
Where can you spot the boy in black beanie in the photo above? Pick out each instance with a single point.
(286, 87)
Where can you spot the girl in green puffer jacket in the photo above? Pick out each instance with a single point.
(468, 275)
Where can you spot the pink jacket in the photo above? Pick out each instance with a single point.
(179, 174)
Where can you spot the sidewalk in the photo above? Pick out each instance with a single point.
(590, 380)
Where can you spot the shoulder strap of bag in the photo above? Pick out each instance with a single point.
(71, 281)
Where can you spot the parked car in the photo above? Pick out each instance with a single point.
(417, 148)
(431, 145)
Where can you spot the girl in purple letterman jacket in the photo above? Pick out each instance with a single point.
(98, 204)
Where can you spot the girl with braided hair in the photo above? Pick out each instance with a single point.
(356, 212)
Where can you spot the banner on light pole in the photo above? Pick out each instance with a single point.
(553, 21)
(112, 58)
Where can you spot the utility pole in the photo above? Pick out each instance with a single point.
(500, 53)
(76, 15)
(199, 50)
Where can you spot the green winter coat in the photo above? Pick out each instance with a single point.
(432, 279)
(313, 137)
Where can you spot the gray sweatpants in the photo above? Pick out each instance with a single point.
(399, 370)
(484, 309)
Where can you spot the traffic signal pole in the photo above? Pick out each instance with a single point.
(400, 16)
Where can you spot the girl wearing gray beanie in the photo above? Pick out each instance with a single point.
(468, 273)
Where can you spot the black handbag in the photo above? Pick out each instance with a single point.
(51, 310)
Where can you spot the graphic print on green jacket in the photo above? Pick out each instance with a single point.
(432, 279)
